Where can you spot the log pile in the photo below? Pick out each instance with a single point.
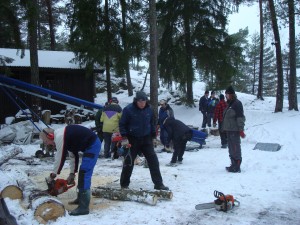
(124, 194)
(9, 153)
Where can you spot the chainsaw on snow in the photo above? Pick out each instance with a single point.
(222, 203)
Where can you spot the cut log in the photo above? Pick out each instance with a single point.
(125, 195)
(8, 153)
(9, 187)
(46, 207)
(144, 196)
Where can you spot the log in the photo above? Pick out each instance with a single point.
(46, 207)
(125, 195)
(144, 196)
(9, 187)
(8, 153)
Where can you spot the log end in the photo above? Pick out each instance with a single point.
(49, 211)
(12, 192)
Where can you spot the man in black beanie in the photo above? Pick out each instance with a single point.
(137, 127)
(233, 123)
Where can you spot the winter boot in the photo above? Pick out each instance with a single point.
(74, 202)
(231, 166)
(84, 202)
(236, 168)
(161, 187)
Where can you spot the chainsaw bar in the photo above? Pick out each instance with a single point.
(205, 206)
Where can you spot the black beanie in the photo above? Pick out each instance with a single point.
(221, 97)
(230, 90)
(140, 95)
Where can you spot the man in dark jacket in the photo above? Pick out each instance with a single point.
(233, 124)
(138, 126)
(179, 133)
(165, 111)
(218, 117)
(203, 103)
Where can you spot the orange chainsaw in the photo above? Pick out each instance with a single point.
(58, 186)
(222, 203)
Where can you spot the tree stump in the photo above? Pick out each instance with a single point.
(46, 207)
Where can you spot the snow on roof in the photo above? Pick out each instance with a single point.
(47, 59)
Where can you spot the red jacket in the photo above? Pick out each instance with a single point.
(218, 113)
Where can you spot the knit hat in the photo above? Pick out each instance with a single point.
(162, 102)
(114, 100)
(212, 92)
(221, 97)
(230, 90)
(140, 95)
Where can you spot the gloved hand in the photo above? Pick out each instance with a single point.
(124, 142)
(242, 134)
(214, 125)
(51, 177)
(71, 178)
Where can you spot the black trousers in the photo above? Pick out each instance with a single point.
(141, 145)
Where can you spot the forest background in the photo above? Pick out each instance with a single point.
(181, 41)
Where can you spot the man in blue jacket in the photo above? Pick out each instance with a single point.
(138, 127)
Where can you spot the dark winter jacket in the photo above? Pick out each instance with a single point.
(218, 115)
(177, 130)
(233, 117)
(203, 103)
(164, 113)
(137, 122)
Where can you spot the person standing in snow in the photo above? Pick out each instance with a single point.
(110, 118)
(180, 134)
(203, 103)
(138, 127)
(165, 111)
(218, 117)
(212, 102)
(71, 140)
(98, 124)
(233, 124)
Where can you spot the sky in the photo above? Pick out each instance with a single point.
(268, 188)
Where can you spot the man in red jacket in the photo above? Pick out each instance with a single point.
(218, 116)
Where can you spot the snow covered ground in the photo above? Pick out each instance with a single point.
(268, 187)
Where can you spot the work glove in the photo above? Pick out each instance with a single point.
(51, 178)
(71, 178)
(214, 125)
(242, 134)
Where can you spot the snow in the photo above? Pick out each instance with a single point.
(268, 187)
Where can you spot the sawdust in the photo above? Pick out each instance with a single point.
(71, 194)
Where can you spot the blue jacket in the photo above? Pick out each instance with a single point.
(137, 122)
(164, 113)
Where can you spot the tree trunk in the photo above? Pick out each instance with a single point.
(153, 58)
(293, 78)
(261, 54)
(125, 54)
(46, 208)
(107, 52)
(188, 60)
(32, 11)
(143, 196)
(51, 25)
(9, 153)
(279, 93)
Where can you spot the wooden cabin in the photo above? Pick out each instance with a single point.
(57, 72)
